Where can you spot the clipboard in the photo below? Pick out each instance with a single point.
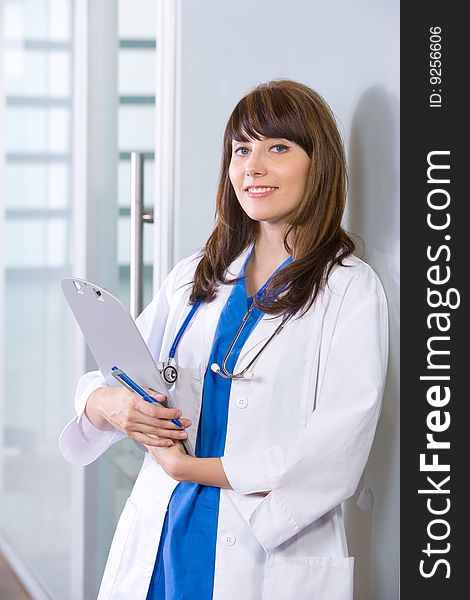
(113, 338)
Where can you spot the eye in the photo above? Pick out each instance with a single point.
(241, 151)
(279, 148)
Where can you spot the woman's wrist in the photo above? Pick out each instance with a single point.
(179, 467)
(94, 410)
(206, 471)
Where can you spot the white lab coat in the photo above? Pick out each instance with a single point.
(298, 436)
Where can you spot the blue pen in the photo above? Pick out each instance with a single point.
(132, 386)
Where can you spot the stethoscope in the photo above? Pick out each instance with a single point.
(246, 372)
(168, 369)
(170, 372)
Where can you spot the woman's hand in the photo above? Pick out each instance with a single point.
(172, 460)
(147, 423)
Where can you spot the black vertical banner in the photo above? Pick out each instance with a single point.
(435, 164)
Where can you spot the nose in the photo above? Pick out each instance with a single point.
(255, 172)
(254, 166)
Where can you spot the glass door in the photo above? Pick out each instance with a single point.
(38, 345)
(136, 127)
(79, 97)
(131, 92)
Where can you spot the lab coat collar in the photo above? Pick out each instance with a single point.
(237, 265)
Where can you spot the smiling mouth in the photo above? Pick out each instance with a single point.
(260, 189)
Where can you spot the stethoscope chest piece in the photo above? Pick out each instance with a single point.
(170, 374)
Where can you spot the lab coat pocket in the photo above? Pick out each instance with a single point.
(118, 546)
(308, 577)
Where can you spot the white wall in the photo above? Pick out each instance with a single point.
(349, 52)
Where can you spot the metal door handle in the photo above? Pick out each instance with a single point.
(138, 218)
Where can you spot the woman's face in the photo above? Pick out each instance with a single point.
(269, 177)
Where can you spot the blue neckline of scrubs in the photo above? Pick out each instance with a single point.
(184, 567)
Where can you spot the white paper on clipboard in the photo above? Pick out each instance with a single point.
(113, 337)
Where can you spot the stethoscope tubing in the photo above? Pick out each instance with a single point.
(182, 329)
(224, 372)
(169, 370)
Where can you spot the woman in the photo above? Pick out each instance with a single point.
(257, 513)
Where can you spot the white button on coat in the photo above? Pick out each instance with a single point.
(229, 539)
(317, 389)
(241, 402)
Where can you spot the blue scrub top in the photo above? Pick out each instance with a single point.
(184, 567)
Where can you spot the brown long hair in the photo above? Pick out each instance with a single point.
(290, 110)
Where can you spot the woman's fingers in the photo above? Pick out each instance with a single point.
(160, 427)
(160, 416)
(133, 415)
(133, 420)
(151, 441)
(157, 410)
(166, 424)
(143, 412)
(175, 434)
(157, 395)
